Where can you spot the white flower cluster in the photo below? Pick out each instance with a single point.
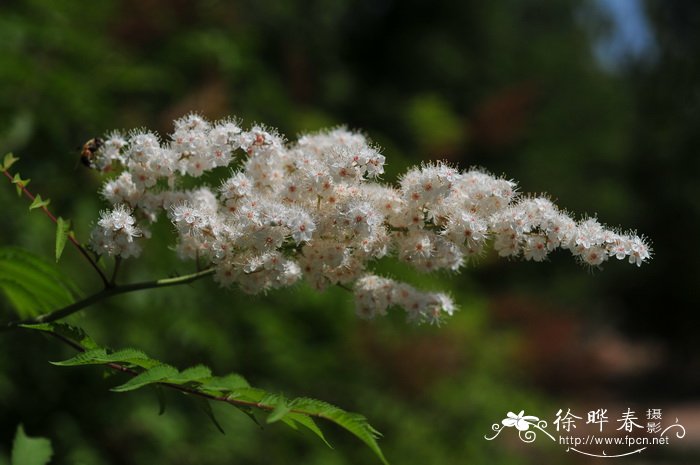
(115, 233)
(314, 210)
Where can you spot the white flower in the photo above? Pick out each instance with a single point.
(301, 226)
(238, 185)
(122, 190)
(535, 248)
(521, 421)
(115, 233)
(312, 210)
(639, 251)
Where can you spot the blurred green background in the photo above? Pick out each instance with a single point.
(596, 103)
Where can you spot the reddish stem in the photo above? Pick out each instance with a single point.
(71, 238)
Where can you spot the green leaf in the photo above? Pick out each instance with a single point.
(232, 388)
(19, 183)
(38, 202)
(352, 422)
(249, 412)
(99, 356)
(161, 399)
(157, 374)
(20, 298)
(62, 229)
(280, 410)
(307, 422)
(226, 383)
(8, 161)
(289, 422)
(193, 374)
(206, 407)
(130, 357)
(256, 395)
(31, 285)
(71, 332)
(89, 357)
(30, 451)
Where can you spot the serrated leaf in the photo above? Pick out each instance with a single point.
(156, 374)
(226, 383)
(74, 333)
(101, 357)
(351, 422)
(297, 412)
(308, 423)
(30, 451)
(31, 285)
(131, 357)
(62, 228)
(206, 407)
(89, 357)
(249, 412)
(281, 409)
(289, 422)
(251, 394)
(38, 202)
(8, 161)
(192, 374)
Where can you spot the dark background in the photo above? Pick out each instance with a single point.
(595, 103)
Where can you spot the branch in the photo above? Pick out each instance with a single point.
(346, 287)
(117, 263)
(185, 389)
(105, 294)
(71, 238)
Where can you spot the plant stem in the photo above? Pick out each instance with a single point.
(117, 263)
(185, 389)
(346, 287)
(71, 238)
(105, 294)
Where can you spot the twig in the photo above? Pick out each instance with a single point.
(344, 286)
(105, 294)
(117, 263)
(184, 389)
(71, 238)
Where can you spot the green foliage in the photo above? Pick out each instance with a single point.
(292, 419)
(206, 408)
(99, 356)
(8, 161)
(62, 231)
(38, 202)
(30, 451)
(66, 331)
(198, 381)
(32, 285)
(158, 374)
(19, 183)
(355, 423)
(281, 409)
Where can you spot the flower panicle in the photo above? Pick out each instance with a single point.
(313, 209)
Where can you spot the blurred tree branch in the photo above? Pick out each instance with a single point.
(105, 294)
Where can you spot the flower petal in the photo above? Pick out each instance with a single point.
(509, 422)
(522, 425)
